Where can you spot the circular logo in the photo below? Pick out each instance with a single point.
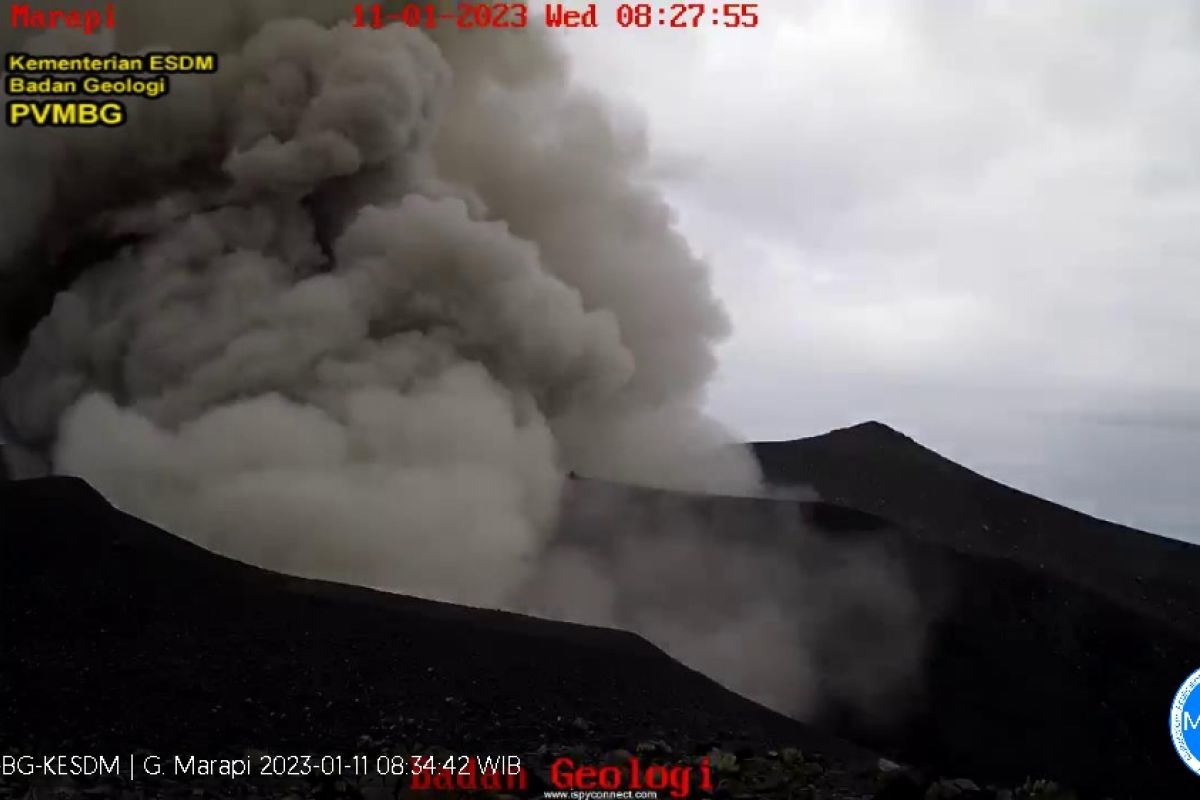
(1185, 722)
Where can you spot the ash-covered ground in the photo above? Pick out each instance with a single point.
(122, 637)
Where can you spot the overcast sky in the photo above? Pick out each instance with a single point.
(978, 222)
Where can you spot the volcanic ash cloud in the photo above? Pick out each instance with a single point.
(350, 307)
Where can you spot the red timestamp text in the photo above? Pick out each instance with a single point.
(430, 15)
(687, 15)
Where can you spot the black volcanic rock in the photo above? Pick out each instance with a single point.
(877, 469)
(1063, 638)
(118, 636)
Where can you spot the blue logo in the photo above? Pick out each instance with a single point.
(1185, 722)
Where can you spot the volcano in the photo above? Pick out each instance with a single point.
(1061, 639)
(880, 470)
(1038, 660)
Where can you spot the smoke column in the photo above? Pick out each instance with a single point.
(352, 307)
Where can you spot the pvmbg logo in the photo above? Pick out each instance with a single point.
(1185, 722)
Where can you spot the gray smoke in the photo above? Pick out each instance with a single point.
(745, 590)
(351, 307)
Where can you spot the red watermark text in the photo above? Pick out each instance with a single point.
(676, 780)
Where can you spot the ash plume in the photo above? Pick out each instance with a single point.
(744, 590)
(352, 306)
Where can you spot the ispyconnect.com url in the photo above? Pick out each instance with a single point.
(576, 794)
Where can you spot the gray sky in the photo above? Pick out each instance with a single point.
(978, 222)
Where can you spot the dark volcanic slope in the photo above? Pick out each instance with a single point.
(1025, 674)
(118, 636)
(1065, 637)
(877, 469)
